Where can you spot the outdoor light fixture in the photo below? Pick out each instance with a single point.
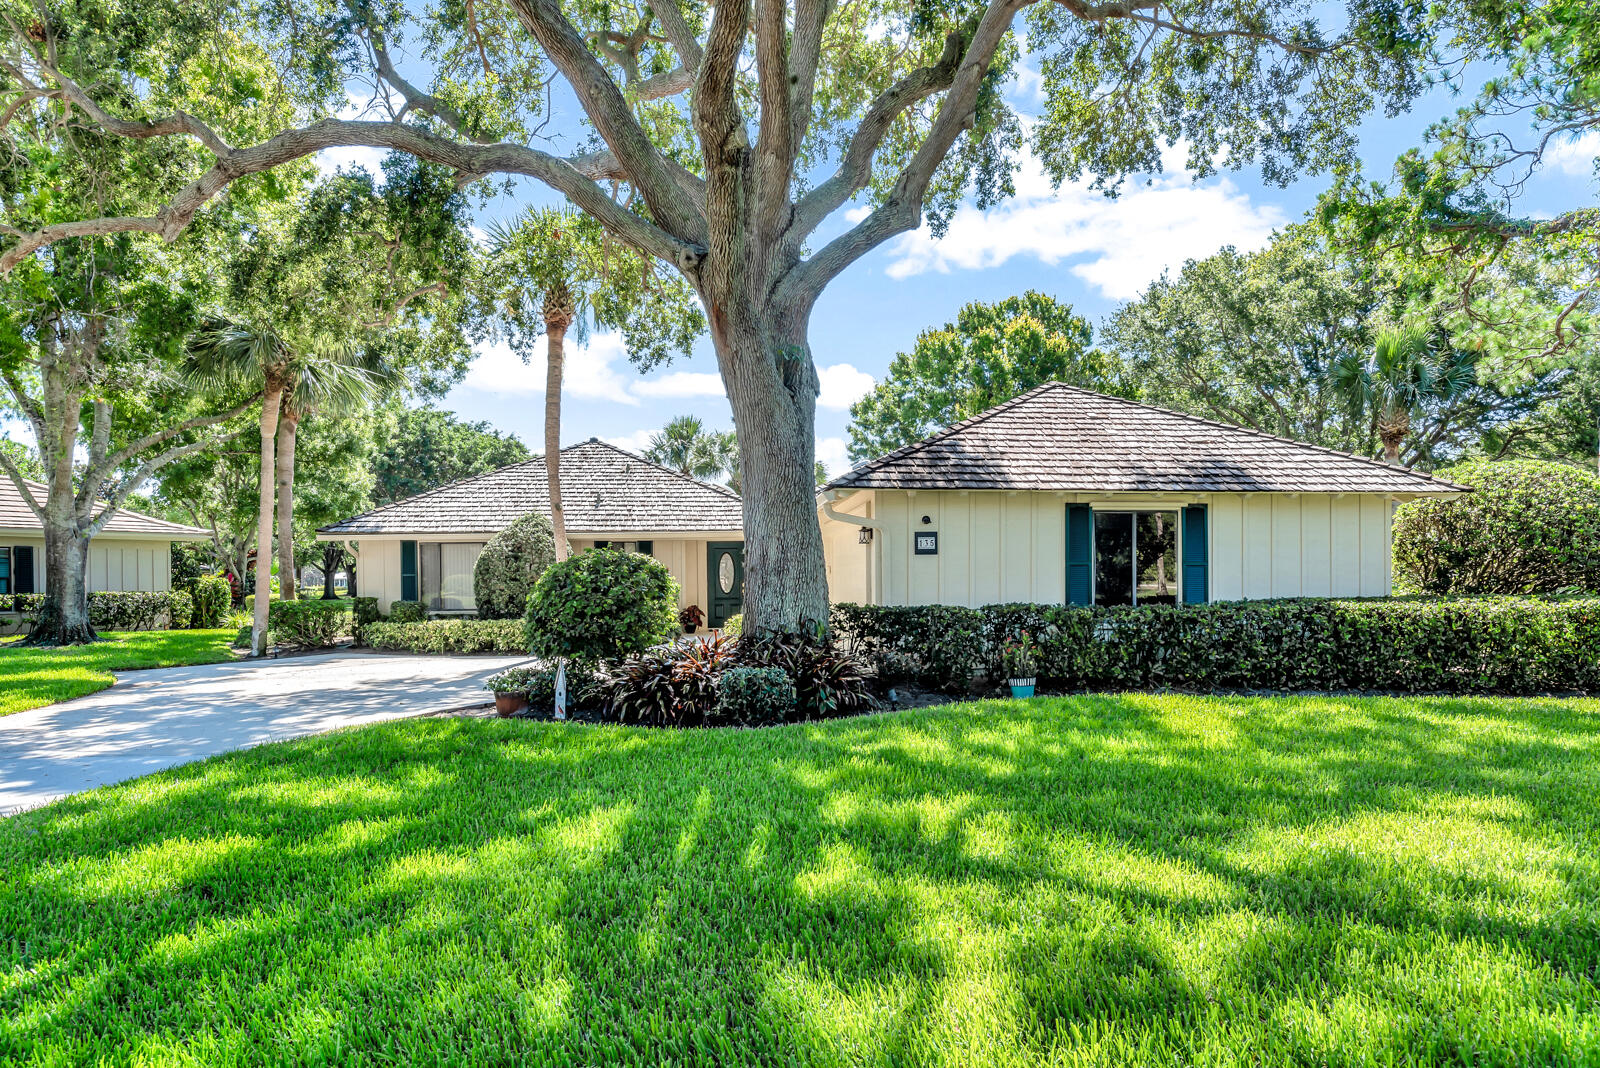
(864, 536)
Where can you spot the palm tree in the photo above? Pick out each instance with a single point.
(1405, 373)
(225, 356)
(684, 446)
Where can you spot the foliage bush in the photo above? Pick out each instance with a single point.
(1528, 527)
(446, 636)
(406, 612)
(673, 686)
(755, 697)
(601, 605)
(314, 624)
(363, 610)
(733, 626)
(110, 610)
(212, 596)
(510, 563)
(1465, 645)
(180, 610)
(827, 681)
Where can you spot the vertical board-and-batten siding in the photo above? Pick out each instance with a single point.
(1002, 546)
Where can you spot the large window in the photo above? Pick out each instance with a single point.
(1135, 558)
(446, 568)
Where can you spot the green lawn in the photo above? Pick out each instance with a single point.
(1113, 881)
(33, 677)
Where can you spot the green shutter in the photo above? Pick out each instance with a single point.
(5, 570)
(22, 569)
(1080, 554)
(1196, 589)
(408, 571)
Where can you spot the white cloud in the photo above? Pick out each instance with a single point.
(681, 384)
(842, 385)
(857, 213)
(636, 442)
(1576, 156)
(1126, 243)
(589, 372)
(831, 451)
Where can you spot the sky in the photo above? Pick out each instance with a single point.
(1073, 243)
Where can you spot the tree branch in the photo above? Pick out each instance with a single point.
(418, 100)
(21, 483)
(678, 33)
(113, 500)
(149, 441)
(775, 148)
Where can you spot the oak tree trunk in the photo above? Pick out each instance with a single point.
(64, 616)
(288, 428)
(269, 431)
(556, 336)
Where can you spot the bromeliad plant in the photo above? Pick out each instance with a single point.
(1019, 657)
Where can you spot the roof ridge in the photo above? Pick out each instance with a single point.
(1382, 465)
(660, 467)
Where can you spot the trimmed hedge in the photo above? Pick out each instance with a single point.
(510, 563)
(365, 611)
(212, 598)
(406, 612)
(1487, 645)
(180, 610)
(313, 623)
(110, 610)
(447, 636)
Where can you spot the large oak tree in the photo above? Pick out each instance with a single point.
(725, 141)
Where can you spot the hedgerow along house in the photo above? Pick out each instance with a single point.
(423, 548)
(1063, 495)
(133, 553)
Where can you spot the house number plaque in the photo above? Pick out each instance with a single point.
(926, 542)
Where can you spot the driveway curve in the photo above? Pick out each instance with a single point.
(161, 717)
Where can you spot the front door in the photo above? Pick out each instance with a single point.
(725, 578)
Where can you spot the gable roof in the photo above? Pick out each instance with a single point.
(15, 515)
(604, 489)
(1060, 437)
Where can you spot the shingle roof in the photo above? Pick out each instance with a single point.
(16, 515)
(604, 489)
(1059, 437)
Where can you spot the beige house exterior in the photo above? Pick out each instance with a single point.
(133, 553)
(1067, 496)
(423, 548)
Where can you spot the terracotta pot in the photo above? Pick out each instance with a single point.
(509, 704)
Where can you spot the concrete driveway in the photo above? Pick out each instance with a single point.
(161, 717)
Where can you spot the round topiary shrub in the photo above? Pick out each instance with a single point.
(601, 605)
(510, 564)
(1528, 526)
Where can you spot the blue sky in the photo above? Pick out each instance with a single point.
(1073, 243)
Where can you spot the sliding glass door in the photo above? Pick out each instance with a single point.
(1135, 558)
(447, 575)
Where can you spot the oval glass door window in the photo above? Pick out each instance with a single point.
(725, 572)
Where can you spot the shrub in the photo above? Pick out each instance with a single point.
(601, 605)
(827, 682)
(511, 562)
(406, 612)
(446, 636)
(212, 596)
(733, 626)
(1529, 526)
(364, 610)
(109, 610)
(315, 624)
(180, 610)
(675, 686)
(755, 696)
(1485, 645)
(938, 646)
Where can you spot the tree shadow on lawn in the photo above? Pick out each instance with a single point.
(1102, 878)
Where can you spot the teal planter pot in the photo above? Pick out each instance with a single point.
(1022, 687)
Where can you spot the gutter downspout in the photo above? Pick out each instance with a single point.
(873, 588)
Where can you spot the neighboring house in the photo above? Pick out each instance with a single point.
(132, 553)
(1063, 495)
(424, 547)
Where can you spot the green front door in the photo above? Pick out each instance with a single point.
(725, 579)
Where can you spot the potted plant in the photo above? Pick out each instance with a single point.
(510, 689)
(690, 618)
(1019, 658)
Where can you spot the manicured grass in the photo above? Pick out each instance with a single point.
(1123, 880)
(33, 677)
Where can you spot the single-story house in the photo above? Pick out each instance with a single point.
(424, 547)
(133, 553)
(1063, 495)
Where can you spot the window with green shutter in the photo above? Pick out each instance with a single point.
(1196, 554)
(1080, 554)
(22, 569)
(408, 571)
